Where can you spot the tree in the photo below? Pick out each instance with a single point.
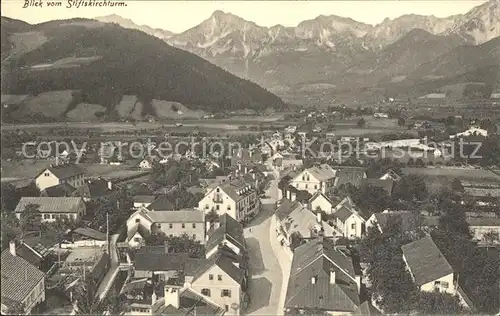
(435, 303)
(456, 185)
(401, 121)
(490, 237)
(86, 299)
(212, 216)
(295, 240)
(361, 122)
(410, 188)
(31, 218)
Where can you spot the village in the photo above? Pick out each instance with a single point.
(270, 228)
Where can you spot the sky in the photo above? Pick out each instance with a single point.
(178, 16)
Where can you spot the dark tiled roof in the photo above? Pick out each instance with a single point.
(425, 260)
(51, 204)
(233, 186)
(286, 208)
(343, 213)
(190, 303)
(386, 184)
(316, 259)
(197, 267)
(60, 190)
(161, 204)
(90, 233)
(229, 229)
(137, 228)
(353, 175)
(93, 188)
(65, 171)
(19, 277)
(144, 199)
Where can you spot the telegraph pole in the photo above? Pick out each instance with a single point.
(107, 233)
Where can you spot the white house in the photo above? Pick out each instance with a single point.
(320, 201)
(471, 131)
(349, 222)
(145, 164)
(428, 267)
(52, 208)
(317, 178)
(58, 174)
(234, 197)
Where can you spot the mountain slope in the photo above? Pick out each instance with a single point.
(106, 61)
(129, 24)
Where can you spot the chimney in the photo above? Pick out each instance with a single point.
(318, 217)
(188, 279)
(110, 185)
(153, 297)
(332, 277)
(358, 283)
(12, 247)
(313, 280)
(172, 295)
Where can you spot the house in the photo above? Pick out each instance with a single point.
(86, 237)
(322, 277)
(143, 201)
(320, 201)
(235, 197)
(94, 188)
(287, 162)
(162, 203)
(349, 222)
(218, 279)
(315, 178)
(60, 190)
(137, 235)
(227, 232)
(387, 184)
(428, 267)
(170, 223)
(390, 174)
(23, 285)
(481, 226)
(145, 163)
(53, 207)
(471, 131)
(352, 175)
(178, 300)
(293, 218)
(407, 220)
(57, 174)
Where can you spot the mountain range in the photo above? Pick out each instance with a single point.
(90, 65)
(330, 55)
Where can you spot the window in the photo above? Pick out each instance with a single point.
(46, 216)
(137, 239)
(194, 236)
(46, 174)
(206, 206)
(226, 307)
(219, 277)
(229, 207)
(205, 292)
(183, 225)
(194, 225)
(137, 220)
(306, 185)
(210, 277)
(353, 226)
(170, 225)
(303, 178)
(217, 190)
(159, 225)
(315, 187)
(225, 293)
(217, 207)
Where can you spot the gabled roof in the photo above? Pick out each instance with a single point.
(60, 190)
(318, 194)
(144, 199)
(29, 254)
(180, 216)
(315, 260)
(137, 228)
(19, 277)
(352, 175)
(233, 186)
(343, 213)
(51, 204)
(190, 303)
(161, 204)
(386, 184)
(286, 208)
(322, 172)
(229, 229)
(405, 216)
(90, 233)
(93, 188)
(425, 260)
(64, 171)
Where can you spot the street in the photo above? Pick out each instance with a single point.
(110, 276)
(266, 285)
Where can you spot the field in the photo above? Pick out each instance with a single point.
(29, 168)
(85, 112)
(52, 104)
(437, 178)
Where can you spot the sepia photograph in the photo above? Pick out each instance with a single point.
(261, 158)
